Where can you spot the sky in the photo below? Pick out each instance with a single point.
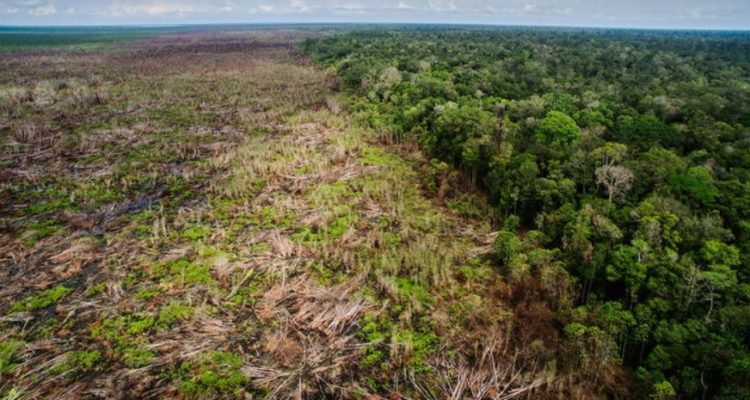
(680, 14)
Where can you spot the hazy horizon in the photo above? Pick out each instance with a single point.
(362, 24)
(639, 14)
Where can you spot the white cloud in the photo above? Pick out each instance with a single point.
(226, 6)
(404, 6)
(442, 6)
(300, 6)
(152, 9)
(350, 7)
(43, 10)
(527, 8)
(167, 8)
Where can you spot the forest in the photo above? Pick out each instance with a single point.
(616, 165)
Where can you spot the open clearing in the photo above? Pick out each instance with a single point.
(195, 215)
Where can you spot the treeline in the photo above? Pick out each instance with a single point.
(619, 157)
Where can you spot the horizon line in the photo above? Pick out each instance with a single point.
(378, 23)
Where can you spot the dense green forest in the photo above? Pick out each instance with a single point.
(620, 160)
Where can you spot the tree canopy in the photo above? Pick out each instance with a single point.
(625, 155)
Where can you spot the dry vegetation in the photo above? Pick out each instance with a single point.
(194, 216)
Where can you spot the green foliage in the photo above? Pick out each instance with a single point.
(186, 272)
(138, 357)
(334, 230)
(696, 183)
(86, 359)
(462, 311)
(323, 275)
(558, 128)
(376, 330)
(94, 290)
(507, 245)
(216, 374)
(413, 290)
(418, 346)
(658, 272)
(40, 230)
(78, 361)
(42, 300)
(461, 134)
(469, 206)
(122, 331)
(663, 391)
(172, 313)
(10, 350)
(626, 267)
(140, 325)
(11, 394)
(44, 207)
(148, 293)
(195, 232)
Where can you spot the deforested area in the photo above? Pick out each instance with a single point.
(374, 212)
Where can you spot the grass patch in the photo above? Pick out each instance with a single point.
(95, 195)
(469, 207)
(123, 331)
(148, 293)
(217, 374)
(42, 300)
(376, 331)
(335, 229)
(137, 357)
(274, 217)
(173, 313)
(40, 230)
(95, 290)
(196, 232)
(413, 290)
(377, 157)
(185, 272)
(10, 352)
(81, 361)
(330, 194)
(417, 347)
(48, 206)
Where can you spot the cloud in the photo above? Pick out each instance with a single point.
(442, 6)
(165, 8)
(528, 8)
(149, 9)
(43, 10)
(300, 6)
(404, 6)
(350, 7)
(633, 13)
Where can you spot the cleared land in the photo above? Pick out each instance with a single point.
(195, 215)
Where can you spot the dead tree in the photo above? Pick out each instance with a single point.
(616, 179)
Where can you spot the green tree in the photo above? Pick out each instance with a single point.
(558, 128)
